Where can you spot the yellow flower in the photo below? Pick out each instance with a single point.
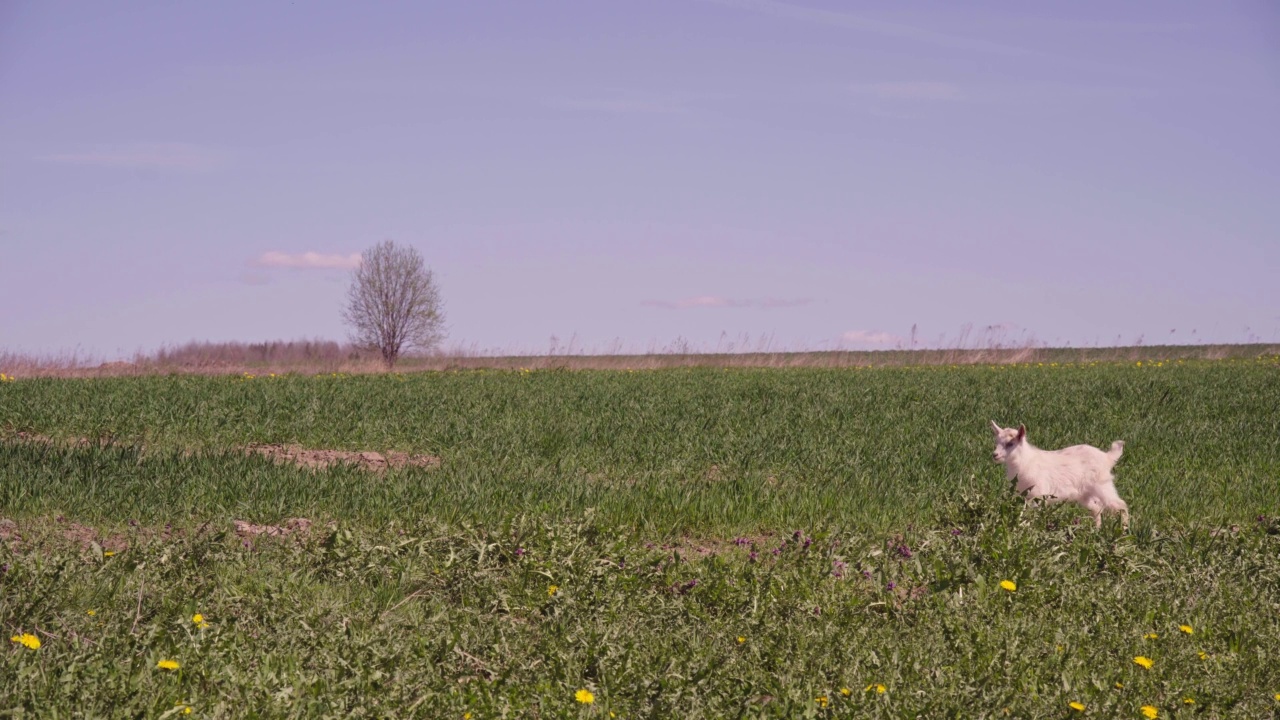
(1009, 585)
(108, 553)
(1151, 636)
(741, 639)
(1277, 697)
(1150, 711)
(821, 700)
(92, 612)
(168, 665)
(198, 619)
(1145, 662)
(1119, 686)
(584, 696)
(1186, 629)
(466, 716)
(1203, 655)
(878, 687)
(186, 709)
(1077, 706)
(1188, 701)
(552, 590)
(30, 641)
(846, 692)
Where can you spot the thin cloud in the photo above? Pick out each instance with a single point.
(928, 91)
(255, 278)
(619, 105)
(165, 156)
(718, 301)
(870, 338)
(877, 27)
(309, 261)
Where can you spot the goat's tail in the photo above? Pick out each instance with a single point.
(1117, 449)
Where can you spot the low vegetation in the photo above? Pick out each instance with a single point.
(688, 542)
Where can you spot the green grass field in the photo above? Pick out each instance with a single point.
(663, 508)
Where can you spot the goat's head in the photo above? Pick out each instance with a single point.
(1007, 440)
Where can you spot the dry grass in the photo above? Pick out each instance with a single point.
(316, 357)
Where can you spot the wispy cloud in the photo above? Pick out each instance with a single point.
(308, 261)
(870, 25)
(870, 338)
(927, 91)
(255, 278)
(171, 156)
(620, 104)
(718, 301)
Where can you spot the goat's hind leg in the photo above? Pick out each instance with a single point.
(1111, 501)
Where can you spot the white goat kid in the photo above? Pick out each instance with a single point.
(1080, 473)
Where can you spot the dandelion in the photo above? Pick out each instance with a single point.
(878, 687)
(551, 590)
(584, 696)
(27, 639)
(846, 692)
(822, 701)
(183, 708)
(1151, 636)
(1145, 662)
(1077, 706)
(1119, 686)
(741, 639)
(1186, 629)
(198, 619)
(108, 553)
(168, 665)
(1150, 711)
(1009, 585)
(1203, 655)
(1188, 701)
(91, 613)
(466, 716)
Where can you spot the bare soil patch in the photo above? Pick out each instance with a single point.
(290, 526)
(319, 459)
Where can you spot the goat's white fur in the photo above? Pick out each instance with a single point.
(1080, 473)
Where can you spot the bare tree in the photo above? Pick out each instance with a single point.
(393, 303)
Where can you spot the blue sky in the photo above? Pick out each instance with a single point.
(624, 175)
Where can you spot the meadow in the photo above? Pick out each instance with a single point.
(693, 542)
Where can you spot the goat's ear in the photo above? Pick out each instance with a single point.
(995, 428)
(1022, 432)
